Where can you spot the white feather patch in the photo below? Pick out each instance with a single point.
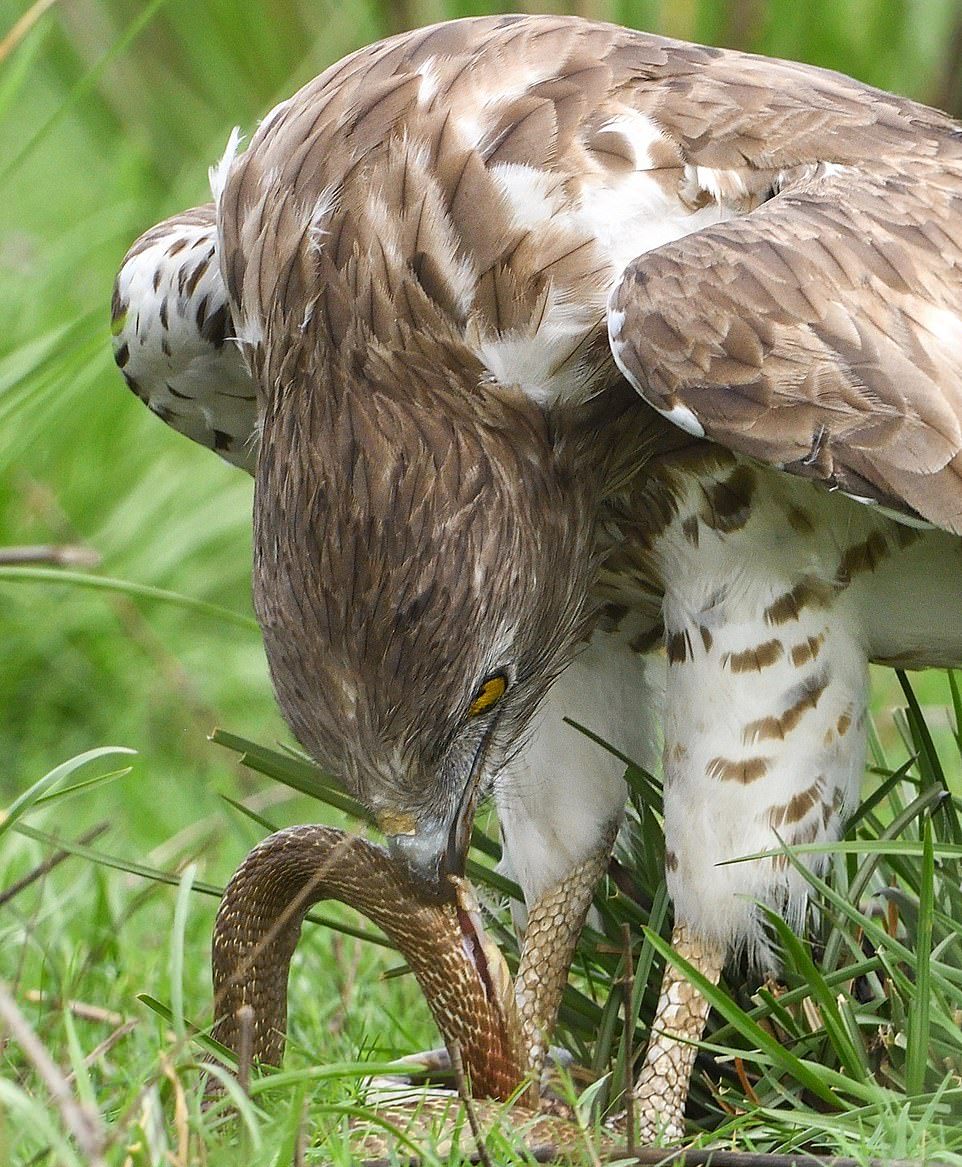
(533, 195)
(625, 216)
(723, 186)
(616, 322)
(944, 325)
(218, 173)
(428, 73)
(556, 800)
(320, 213)
(273, 114)
(682, 416)
(636, 213)
(640, 132)
(539, 362)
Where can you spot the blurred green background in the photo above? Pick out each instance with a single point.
(110, 113)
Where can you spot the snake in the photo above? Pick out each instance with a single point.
(495, 1029)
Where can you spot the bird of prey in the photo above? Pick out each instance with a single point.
(583, 372)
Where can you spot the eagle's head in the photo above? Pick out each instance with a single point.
(423, 557)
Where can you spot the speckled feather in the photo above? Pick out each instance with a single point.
(173, 337)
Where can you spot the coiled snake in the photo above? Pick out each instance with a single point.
(497, 1030)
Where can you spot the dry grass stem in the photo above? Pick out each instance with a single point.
(83, 1124)
(465, 1093)
(48, 865)
(245, 1046)
(82, 1009)
(104, 1047)
(181, 1124)
(23, 26)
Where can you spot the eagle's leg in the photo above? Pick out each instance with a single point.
(765, 709)
(662, 1086)
(557, 800)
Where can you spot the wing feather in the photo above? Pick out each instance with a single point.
(821, 333)
(173, 337)
(472, 192)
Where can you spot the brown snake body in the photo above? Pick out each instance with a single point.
(497, 1031)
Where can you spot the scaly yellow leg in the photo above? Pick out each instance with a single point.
(661, 1090)
(554, 924)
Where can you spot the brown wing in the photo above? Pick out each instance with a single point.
(486, 177)
(822, 333)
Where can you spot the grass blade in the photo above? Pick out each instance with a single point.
(917, 1049)
(42, 786)
(757, 1037)
(123, 587)
(852, 1059)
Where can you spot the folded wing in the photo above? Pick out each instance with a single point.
(821, 333)
(173, 337)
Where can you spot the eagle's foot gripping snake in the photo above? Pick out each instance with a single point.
(495, 1029)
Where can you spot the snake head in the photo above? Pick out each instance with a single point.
(484, 954)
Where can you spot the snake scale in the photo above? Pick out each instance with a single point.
(497, 1030)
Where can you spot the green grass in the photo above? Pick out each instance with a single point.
(110, 112)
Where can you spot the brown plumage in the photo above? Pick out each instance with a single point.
(568, 341)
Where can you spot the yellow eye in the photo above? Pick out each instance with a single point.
(488, 695)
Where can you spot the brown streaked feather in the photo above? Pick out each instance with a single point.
(823, 332)
(800, 333)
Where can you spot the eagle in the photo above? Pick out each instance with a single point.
(583, 373)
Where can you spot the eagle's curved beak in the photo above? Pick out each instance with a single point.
(436, 851)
